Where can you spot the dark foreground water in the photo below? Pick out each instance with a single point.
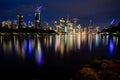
(53, 56)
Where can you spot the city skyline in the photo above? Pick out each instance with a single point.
(100, 12)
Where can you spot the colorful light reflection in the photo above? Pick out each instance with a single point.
(111, 47)
(30, 47)
(90, 42)
(97, 40)
(57, 43)
(78, 41)
(25, 46)
(67, 43)
(39, 54)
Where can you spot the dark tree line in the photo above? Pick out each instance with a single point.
(112, 29)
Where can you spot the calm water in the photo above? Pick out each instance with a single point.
(53, 56)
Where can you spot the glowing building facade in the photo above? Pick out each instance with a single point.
(37, 20)
(38, 17)
(75, 24)
(68, 23)
(6, 24)
(90, 27)
(20, 21)
(62, 24)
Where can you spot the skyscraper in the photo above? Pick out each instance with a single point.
(20, 21)
(75, 23)
(38, 17)
(90, 27)
(55, 26)
(62, 24)
(68, 24)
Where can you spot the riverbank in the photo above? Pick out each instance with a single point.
(100, 70)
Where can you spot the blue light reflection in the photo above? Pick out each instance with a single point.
(111, 47)
(38, 55)
(25, 46)
(30, 47)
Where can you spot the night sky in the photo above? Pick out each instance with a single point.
(101, 12)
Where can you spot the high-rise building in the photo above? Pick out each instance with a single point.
(55, 26)
(97, 29)
(85, 30)
(78, 28)
(20, 21)
(62, 24)
(68, 24)
(75, 24)
(90, 27)
(46, 26)
(37, 20)
(38, 17)
(15, 24)
(7, 24)
(30, 24)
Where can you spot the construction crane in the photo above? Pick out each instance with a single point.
(39, 9)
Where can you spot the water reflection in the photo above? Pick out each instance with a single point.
(111, 47)
(84, 39)
(30, 48)
(24, 47)
(118, 42)
(107, 37)
(78, 41)
(90, 38)
(67, 43)
(97, 40)
(58, 44)
(105, 40)
(62, 46)
(38, 53)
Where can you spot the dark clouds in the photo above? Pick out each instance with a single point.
(100, 11)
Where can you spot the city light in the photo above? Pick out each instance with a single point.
(38, 54)
(60, 39)
(111, 47)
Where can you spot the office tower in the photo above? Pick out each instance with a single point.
(7, 24)
(62, 24)
(75, 23)
(38, 17)
(78, 29)
(97, 29)
(15, 25)
(55, 26)
(68, 23)
(30, 24)
(90, 27)
(46, 26)
(20, 21)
